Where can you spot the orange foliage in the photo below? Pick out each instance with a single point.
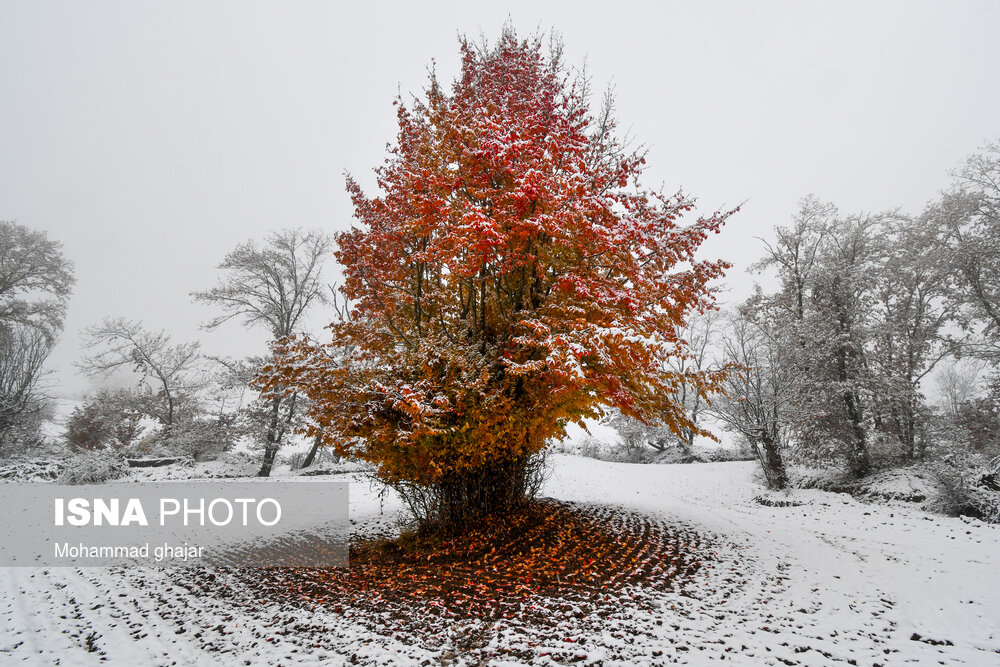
(512, 277)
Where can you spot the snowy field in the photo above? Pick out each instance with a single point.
(826, 580)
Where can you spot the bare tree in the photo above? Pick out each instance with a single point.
(35, 284)
(796, 251)
(910, 314)
(35, 279)
(700, 334)
(272, 286)
(828, 265)
(231, 381)
(968, 216)
(23, 351)
(121, 344)
(958, 383)
(758, 396)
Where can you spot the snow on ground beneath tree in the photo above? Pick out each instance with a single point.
(823, 579)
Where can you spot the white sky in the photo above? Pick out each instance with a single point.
(150, 139)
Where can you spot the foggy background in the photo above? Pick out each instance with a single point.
(151, 138)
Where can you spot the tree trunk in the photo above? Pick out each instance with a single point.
(312, 451)
(858, 462)
(273, 438)
(170, 409)
(269, 453)
(494, 489)
(769, 455)
(686, 441)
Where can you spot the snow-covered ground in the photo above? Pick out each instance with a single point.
(825, 580)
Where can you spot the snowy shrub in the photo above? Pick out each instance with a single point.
(725, 454)
(31, 470)
(825, 479)
(772, 499)
(110, 418)
(94, 468)
(968, 491)
(294, 461)
(639, 441)
(615, 451)
(591, 448)
(676, 455)
(236, 464)
(912, 484)
(700, 454)
(26, 434)
(629, 454)
(885, 450)
(198, 439)
(331, 468)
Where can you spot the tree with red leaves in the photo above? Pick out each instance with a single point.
(513, 276)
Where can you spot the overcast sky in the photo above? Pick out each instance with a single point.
(151, 138)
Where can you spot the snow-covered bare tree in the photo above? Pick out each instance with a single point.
(911, 313)
(840, 329)
(833, 269)
(35, 284)
(700, 332)
(23, 351)
(274, 286)
(757, 398)
(173, 370)
(968, 218)
(958, 382)
(35, 279)
(862, 309)
(230, 382)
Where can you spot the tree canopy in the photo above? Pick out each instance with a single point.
(513, 275)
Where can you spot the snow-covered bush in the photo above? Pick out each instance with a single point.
(617, 451)
(724, 454)
(587, 446)
(94, 468)
(31, 469)
(640, 441)
(700, 454)
(26, 435)
(912, 484)
(968, 491)
(200, 439)
(108, 419)
(237, 464)
(830, 478)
